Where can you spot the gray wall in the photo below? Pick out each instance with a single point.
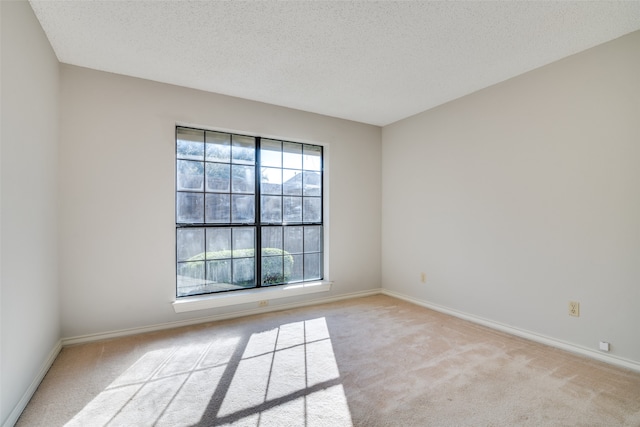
(117, 220)
(521, 197)
(30, 324)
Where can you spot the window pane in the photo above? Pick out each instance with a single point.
(219, 272)
(293, 240)
(271, 153)
(190, 278)
(243, 150)
(243, 209)
(244, 272)
(312, 267)
(292, 182)
(218, 177)
(312, 209)
(190, 242)
(218, 243)
(189, 208)
(244, 242)
(312, 157)
(272, 270)
(190, 175)
(243, 180)
(296, 268)
(217, 207)
(312, 184)
(271, 238)
(291, 155)
(271, 208)
(218, 147)
(243, 262)
(312, 239)
(190, 144)
(292, 209)
(287, 261)
(271, 181)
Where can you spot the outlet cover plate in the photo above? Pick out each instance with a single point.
(574, 308)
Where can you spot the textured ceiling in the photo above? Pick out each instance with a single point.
(372, 62)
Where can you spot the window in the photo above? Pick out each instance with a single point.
(236, 193)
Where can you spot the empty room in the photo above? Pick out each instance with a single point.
(342, 213)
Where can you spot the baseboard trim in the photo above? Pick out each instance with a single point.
(170, 325)
(26, 397)
(539, 338)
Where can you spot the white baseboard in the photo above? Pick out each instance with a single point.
(158, 327)
(22, 403)
(539, 338)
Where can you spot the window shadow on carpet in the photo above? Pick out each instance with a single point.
(282, 375)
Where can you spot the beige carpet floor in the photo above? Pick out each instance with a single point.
(374, 361)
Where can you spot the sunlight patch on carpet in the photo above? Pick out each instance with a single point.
(287, 375)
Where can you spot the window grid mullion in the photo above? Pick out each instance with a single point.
(258, 214)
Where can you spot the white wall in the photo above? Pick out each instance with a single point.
(30, 316)
(117, 194)
(521, 197)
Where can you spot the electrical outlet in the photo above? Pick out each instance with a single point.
(423, 277)
(604, 346)
(574, 308)
(263, 303)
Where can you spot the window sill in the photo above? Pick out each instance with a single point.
(203, 302)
